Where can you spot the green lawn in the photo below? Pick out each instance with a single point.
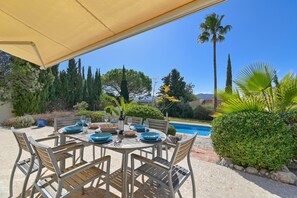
(189, 120)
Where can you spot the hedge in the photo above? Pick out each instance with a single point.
(144, 112)
(256, 139)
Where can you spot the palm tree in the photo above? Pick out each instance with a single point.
(260, 90)
(213, 30)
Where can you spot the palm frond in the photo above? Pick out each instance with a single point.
(112, 110)
(255, 79)
(248, 103)
(224, 96)
(220, 38)
(286, 93)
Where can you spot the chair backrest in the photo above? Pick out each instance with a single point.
(183, 149)
(135, 120)
(22, 140)
(161, 125)
(60, 122)
(45, 156)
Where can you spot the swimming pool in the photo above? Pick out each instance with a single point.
(191, 129)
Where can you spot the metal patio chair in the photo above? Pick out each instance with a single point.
(168, 174)
(161, 125)
(61, 183)
(31, 165)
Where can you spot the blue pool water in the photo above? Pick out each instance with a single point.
(191, 129)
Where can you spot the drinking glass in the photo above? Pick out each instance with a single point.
(145, 124)
(129, 121)
(88, 122)
(82, 119)
(105, 119)
(118, 132)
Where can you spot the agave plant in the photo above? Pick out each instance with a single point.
(258, 89)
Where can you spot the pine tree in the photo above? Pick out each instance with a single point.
(228, 88)
(124, 86)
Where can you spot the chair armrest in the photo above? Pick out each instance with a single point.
(64, 146)
(169, 144)
(47, 138)
(149, 161)
(85, 166)
(72, 147)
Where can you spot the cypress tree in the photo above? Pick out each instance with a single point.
(84, 91)
(228, 88)
(71, 83)
(97, 85)
(124, 86)
(54, 89)
(79, 92)
(89, 87)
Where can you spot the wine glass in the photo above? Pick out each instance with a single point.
(146, 125)
(82, 119)
(129, 121)
(88, 122)
(105, 119)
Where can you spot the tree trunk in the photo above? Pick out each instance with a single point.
(215, 75)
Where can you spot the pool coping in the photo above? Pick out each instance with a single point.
(192, 123)
(196, 124)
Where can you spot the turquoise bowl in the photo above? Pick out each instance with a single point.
(150, 135)
(99, 137)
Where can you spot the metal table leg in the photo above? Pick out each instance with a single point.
(125, 171)
(159, 150)
(62, 141)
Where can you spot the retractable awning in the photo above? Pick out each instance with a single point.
(47, 32)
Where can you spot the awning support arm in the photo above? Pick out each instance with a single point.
(25, 43)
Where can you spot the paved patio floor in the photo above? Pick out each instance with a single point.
(211, 180)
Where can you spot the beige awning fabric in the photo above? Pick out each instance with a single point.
(47, 32)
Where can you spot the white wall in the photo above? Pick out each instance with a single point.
(5, 111)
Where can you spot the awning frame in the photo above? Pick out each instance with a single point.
(30, 43)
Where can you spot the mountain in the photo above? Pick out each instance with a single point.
(204, 96)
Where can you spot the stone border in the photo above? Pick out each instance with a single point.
(284, 175)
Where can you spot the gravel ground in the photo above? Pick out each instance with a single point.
(211, 180)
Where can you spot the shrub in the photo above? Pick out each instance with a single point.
(96, 116)
(256, 139)
(202, 113)
(8, 123)
(24, 121)
(50, 116)
(171, 130)
(144, 112)
(81, 106)
(187, 111)
(290, 118)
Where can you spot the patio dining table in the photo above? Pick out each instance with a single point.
(126, 146)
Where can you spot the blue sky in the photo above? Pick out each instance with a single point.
(263, 31)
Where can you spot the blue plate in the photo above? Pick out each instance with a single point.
(139, 128)
(100, 142)
(156, 140)
(80, 123)
(150, 135)
(100, 136)
(73, 129)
